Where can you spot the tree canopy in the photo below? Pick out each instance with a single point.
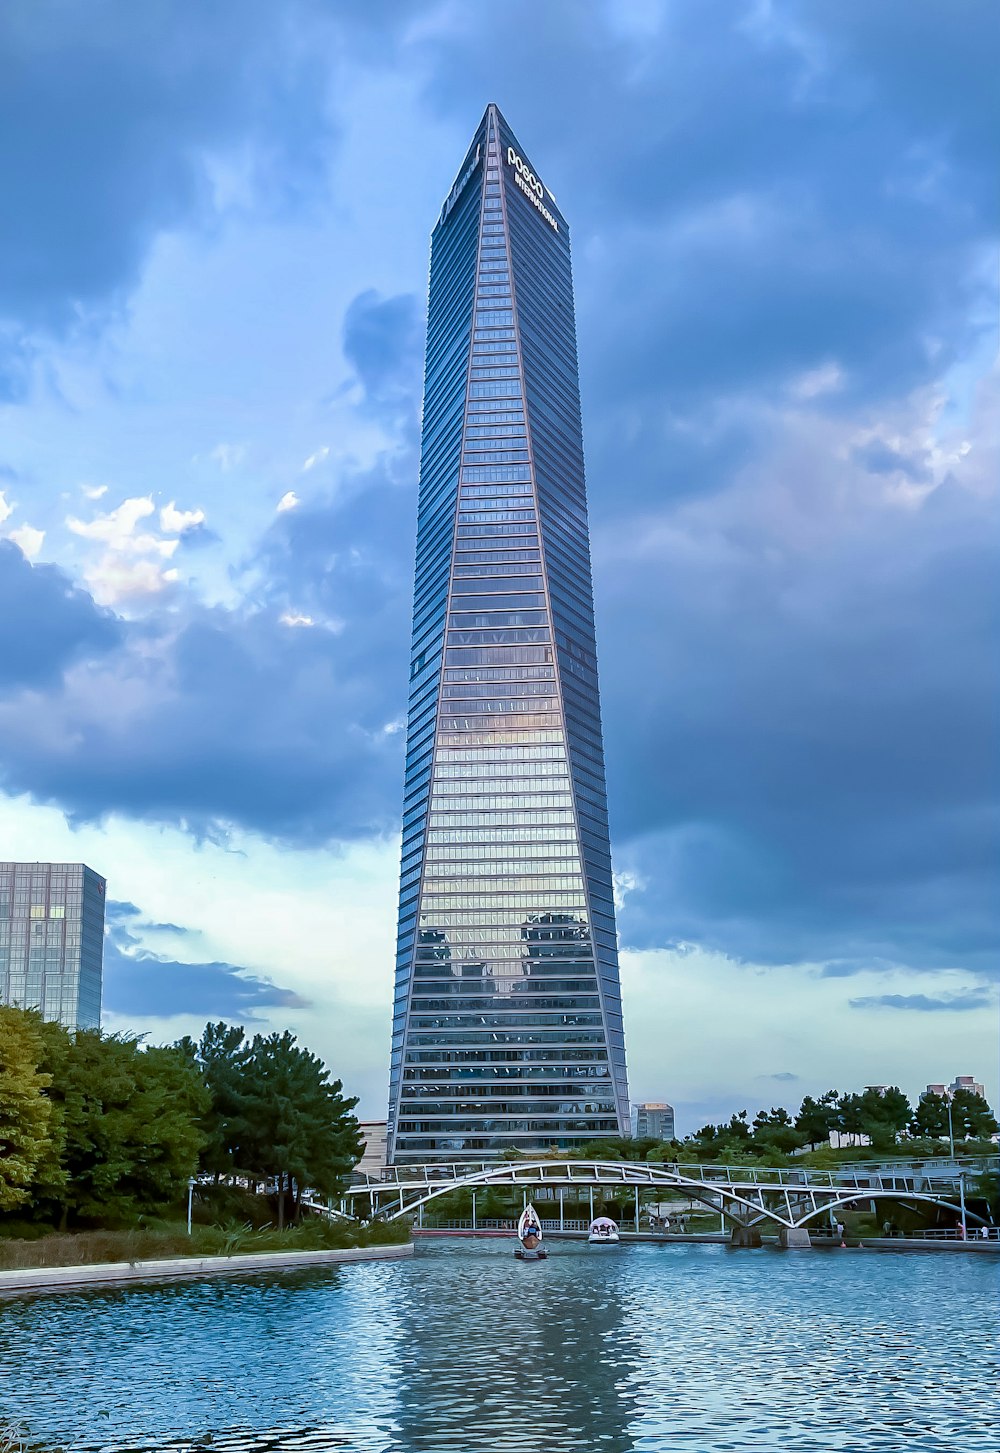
(879, 1117)
(275, 1115)
(25, 1109)
(101, 1128)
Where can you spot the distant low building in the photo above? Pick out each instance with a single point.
(960, 1082)
(653, 1120)
(373, 1133)
(52, 941)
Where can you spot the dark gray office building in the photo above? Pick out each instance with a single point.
(507, 1028)
(52, 940)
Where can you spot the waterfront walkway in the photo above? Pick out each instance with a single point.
(71, 1278)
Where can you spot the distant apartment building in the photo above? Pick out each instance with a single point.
(960, 1082)
(374, 1135)
(653, 1120)
(52, 941)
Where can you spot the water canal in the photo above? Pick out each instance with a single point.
(640, 1347)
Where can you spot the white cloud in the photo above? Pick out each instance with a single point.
(130, 564)
(29, 539)
(623, 884)
(6, 510)
(115, 578)
(292, 618)
(227, 456)
(288, 501)
(117, 527)
(94, 491)
(175, 521)
(316, 458)
(826, 379)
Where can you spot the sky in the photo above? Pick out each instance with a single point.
(213, 271)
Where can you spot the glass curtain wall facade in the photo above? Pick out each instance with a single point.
(52, 941)
(507, 1027)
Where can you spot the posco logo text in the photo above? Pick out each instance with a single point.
(530, 185)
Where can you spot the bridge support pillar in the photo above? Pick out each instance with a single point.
(745, 1236)
(794, 1238)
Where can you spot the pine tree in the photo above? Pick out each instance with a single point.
(221, 1057)
(930, 1117)
(300, 1129)
(816, 1118)
(971, 1116)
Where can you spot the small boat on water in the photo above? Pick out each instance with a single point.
(529, 1234)
(603, 1232)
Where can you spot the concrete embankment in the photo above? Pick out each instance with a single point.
(720, 1238)
(550, 1235)
(69, 1278)
(929, 1243)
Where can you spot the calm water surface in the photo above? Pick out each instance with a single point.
(464, 1348)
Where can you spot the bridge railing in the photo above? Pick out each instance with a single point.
(941, 1233)
(897, 1176)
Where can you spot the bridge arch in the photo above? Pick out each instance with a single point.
(745, 1196)
(849, 1197)
(742, 1203)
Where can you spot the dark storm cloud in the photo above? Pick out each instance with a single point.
(137, 982)
(753, 192)
(46, 622)
(801, 731)
(383, 341)
(210, 717)
(926, 1003)
(235, 720)
(108, 113)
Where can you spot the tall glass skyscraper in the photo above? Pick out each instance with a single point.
(507, 1027)
(52, 940)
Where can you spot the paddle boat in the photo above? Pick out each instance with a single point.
(529, 1234)
(603, 1232)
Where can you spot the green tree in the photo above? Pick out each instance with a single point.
(884, 1114)
(774, 1129)
(616, 1147)
(300, 1127)
(851, 1116)
(25, 1110)
(971, 1116)
(221, 1056)
(128, 1119)
(930, 1116)
(816, 1118)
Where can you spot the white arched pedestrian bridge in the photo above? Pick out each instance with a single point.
(789, 1198)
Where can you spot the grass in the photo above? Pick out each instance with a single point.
(86, 1248)
(11, 1436)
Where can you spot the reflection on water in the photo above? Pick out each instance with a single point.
(464, 1348)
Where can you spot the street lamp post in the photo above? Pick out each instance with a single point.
(190, 1203)
(961, 1173)
(951, 1127)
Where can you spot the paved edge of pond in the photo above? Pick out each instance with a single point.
(68, 1278)
(717, 1238)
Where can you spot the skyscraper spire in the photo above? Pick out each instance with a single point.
(507, 1028)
